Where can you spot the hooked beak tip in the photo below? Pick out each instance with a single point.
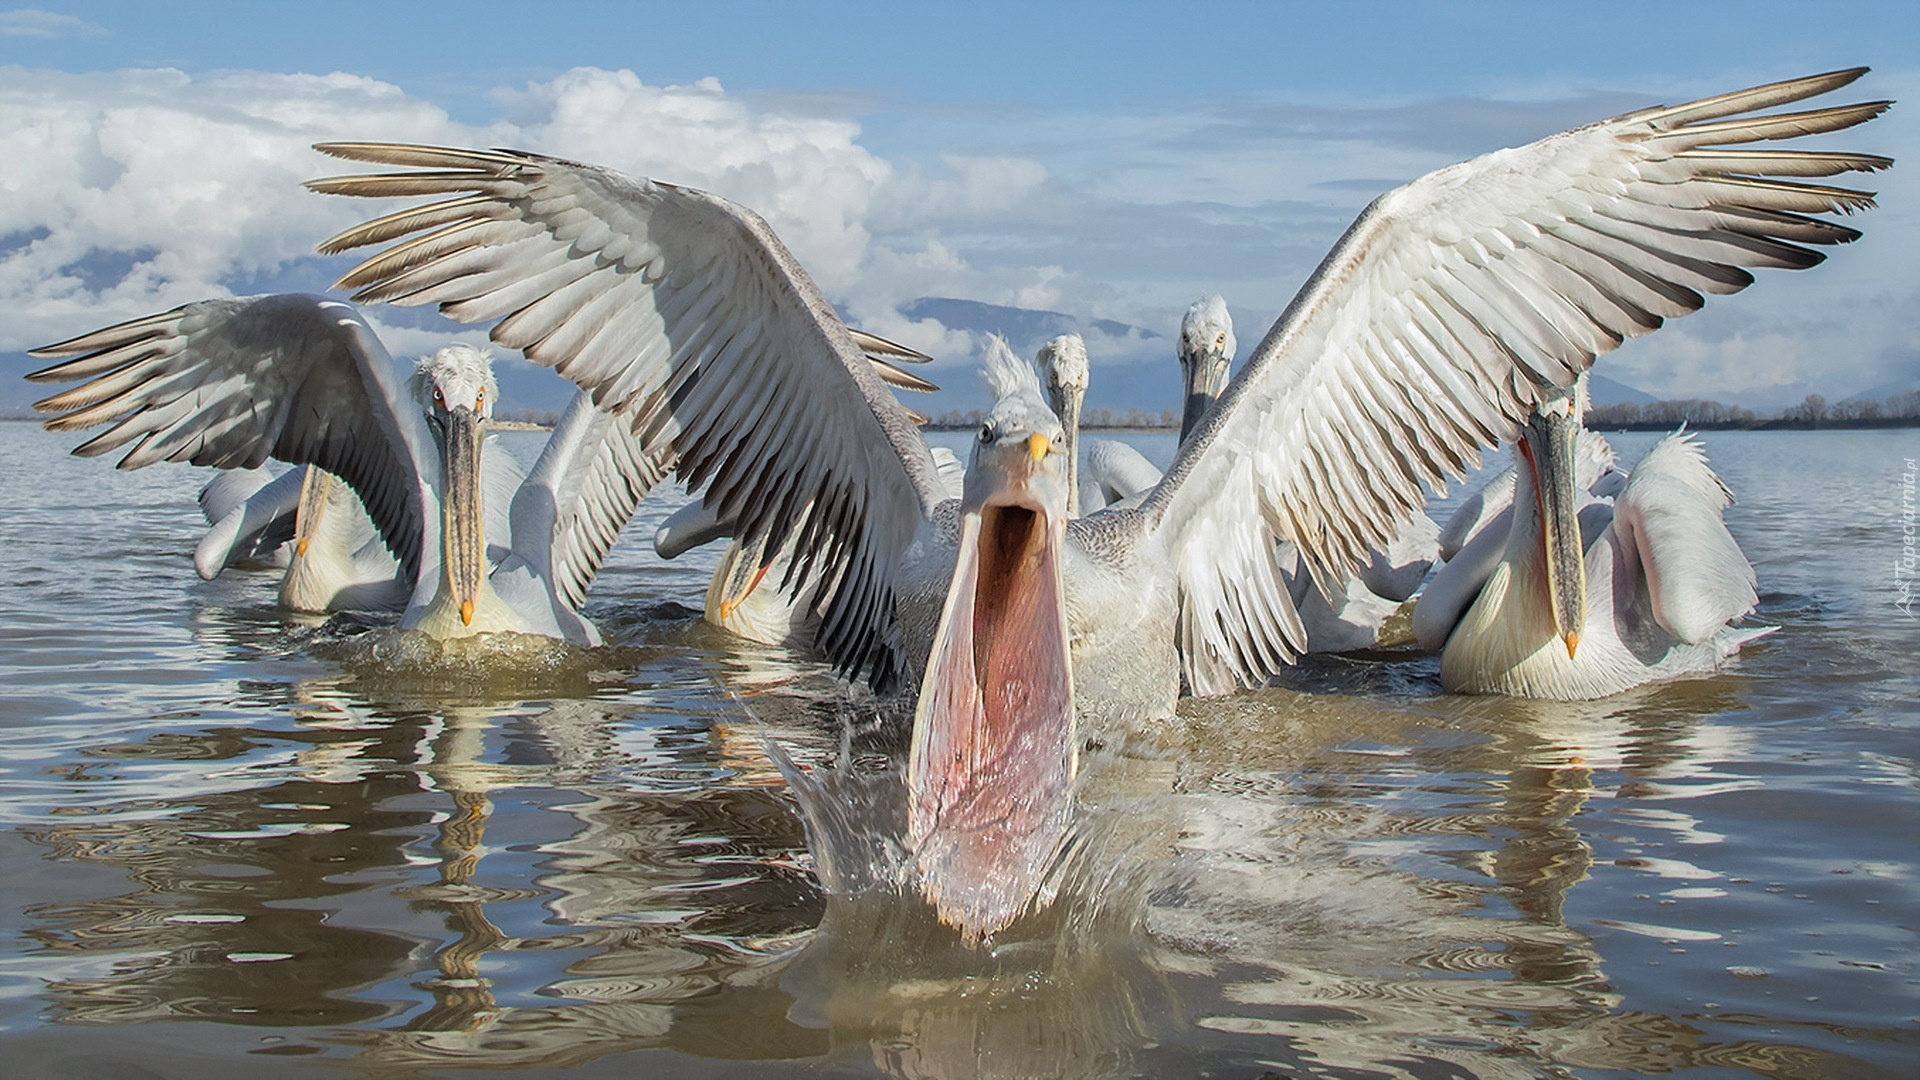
(1573, 642)
(300, 548)
(466, 613)
(1037, 445)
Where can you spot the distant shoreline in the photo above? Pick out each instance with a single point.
(1638, 425)
(1761, 425)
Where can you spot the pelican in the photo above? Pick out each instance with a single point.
(304, 379)
(1449, 309)
(333, 556)
(1347, 618)
(1568, 595)
(1113, 470)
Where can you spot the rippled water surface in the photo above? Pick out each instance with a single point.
(235, 842)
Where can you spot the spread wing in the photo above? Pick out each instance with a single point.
(1432, 327)
(230, 383)
(685, 314)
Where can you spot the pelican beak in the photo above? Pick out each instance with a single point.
(1550, 444)
(749, 568)
(464, 560)
(990, 776)
(1066, 400)
(1205, 375)
(314, 489)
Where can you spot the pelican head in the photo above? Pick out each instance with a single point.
(456, 376)
(1550, 447)
(1064, 363)
(994, 746)
(457, 390)
(1206, 351)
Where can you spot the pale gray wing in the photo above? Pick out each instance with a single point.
(1670, 515)
(229, 383)
(501, 479)
(685, 314)
(583, 490)
(250, 513)
(229, 488)
(1436, 322)
(1117, 471)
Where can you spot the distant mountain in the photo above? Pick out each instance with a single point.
(1606, 391)
(1887, 390)
(1018, 325)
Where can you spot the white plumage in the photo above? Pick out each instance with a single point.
(1661, 577)
(1446, 313)
(481, 547)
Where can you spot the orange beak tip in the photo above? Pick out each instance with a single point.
(1037, 445)
(300, 549)
(466, 613)
(1573, 642)
(726, 610)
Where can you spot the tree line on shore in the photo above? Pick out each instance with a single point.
(1813, 411)
(1899, 410)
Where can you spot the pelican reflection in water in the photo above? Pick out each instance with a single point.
(1449, 310)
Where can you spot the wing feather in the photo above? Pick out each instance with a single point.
(1669, 516)
(1446, 311)
(230, 383)
(683, 314)
(582, 491)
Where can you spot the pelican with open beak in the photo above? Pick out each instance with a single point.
(990, 776)
(1450, 307)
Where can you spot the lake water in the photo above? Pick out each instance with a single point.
(233, 842)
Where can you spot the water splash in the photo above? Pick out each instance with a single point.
(486, 667)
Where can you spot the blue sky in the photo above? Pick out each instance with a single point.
(1105, 160)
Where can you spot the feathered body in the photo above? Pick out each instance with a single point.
(1664, 580)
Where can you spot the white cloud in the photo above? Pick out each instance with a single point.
(131, 191)
(34, 23)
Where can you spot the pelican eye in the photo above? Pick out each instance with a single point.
(986, 432)
(439, 398)
(479, 400)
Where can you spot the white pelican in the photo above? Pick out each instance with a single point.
(1112, 471)
(333, 556)
(1567, 595)
(1350, 615)
(1449, 308)
(304, 379)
